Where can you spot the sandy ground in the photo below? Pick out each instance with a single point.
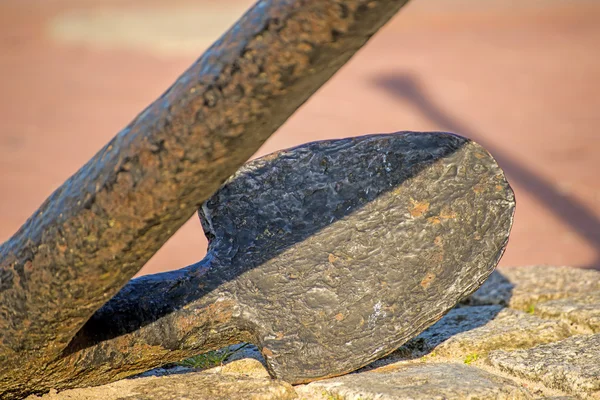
(523, 80)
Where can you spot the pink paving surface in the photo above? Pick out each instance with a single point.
(524, 82)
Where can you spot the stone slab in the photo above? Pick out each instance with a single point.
(415, 382)
(468, 333)
(244, 379)
(580, 313)
(571, 365)
(523, 287)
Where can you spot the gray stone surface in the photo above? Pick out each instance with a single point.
(245, 366)
(571, 365)
(557, 398)
(581, 313)
(523, 287)
(240, 380)
(416, 381)
(471, 332)
(548, 364)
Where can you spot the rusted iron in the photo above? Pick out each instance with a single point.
(326, 256)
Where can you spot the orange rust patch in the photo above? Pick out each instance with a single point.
(184, 324)
(62, 248)
(478, 189)
(437, 241)
(266, 352)
(498, 188)
(221, 311)
(332, 258)
(447, 214)
(419, 208)
(339, 317)
(427, 280)
(434, 220)
(279, 335)
(28, 266)
(214, 314)
(125, 344)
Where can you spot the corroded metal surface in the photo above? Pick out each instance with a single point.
(100, 227)
(326, 256)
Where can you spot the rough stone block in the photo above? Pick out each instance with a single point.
(580, 313)
(571, 365)
(523, 287)
(415, 382)
(467, 333)
(240, 380)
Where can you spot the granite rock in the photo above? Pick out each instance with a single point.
(245, 366)
(511, 354)
(571, 365)
(414, 382)
(238, 380)
(581, 313)
(557, 398)
(523, 287)
(467, 333)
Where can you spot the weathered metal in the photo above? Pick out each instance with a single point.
(100, 227)
(326, 256)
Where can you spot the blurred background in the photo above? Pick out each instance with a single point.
(521, 78)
